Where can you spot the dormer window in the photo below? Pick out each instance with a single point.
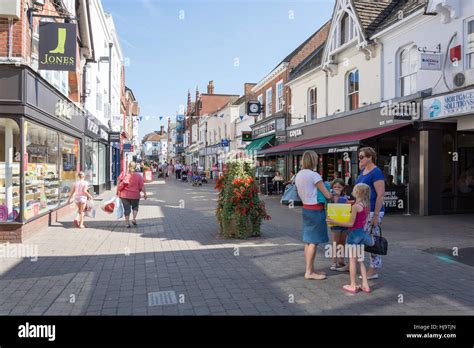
(346, 29)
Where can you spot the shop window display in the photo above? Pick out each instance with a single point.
(41, 189)
(70, 164)
(10, 157)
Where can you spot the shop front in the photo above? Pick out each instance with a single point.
(447, 143)
(41, 135)
(114, 144)
(97, 161)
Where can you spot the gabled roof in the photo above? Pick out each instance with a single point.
(372, 13)
(407, 7)
(314, 60)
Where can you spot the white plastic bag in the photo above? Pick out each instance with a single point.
(118, 211)
(108, 206)
(90, 210)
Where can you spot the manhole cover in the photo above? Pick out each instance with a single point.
(162, 298)
(464, 255)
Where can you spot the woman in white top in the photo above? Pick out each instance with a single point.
(315, 230)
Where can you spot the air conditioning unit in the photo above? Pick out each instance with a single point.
(10, 9)
(463, 79)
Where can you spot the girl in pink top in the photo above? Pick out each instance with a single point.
(79, 189)
(357, 237)
(128, 190)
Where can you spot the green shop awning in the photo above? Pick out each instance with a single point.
(258, 144)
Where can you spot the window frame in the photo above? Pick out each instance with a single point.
(279, 99)
(260, 99)
(310, 105)
(410, 49)
(469, 51)
(349, 94)
(268, 104)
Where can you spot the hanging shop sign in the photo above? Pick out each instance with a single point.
(254, 108)
(57, 46)
(395, 199)
(453, 104)
(114, 137)
(430, 61)
(246, 136)
(264, 129)
(295, 133)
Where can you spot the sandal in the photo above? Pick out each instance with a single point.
(134, 222)
(367, 291)
(76, 223)
(128, 226)
(348, 289)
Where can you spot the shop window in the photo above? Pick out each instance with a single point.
(388, 160)
(268, 107)
(90, 168)
(312, 103)
(10, 157)
(470, 44)
(465, 182)
(408, 68)
(41, 187)
(70, 164)
(447, 163)
(353, 90)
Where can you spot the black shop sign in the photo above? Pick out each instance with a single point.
(395, 199)
(57, 46)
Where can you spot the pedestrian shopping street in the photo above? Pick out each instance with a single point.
(107, 269)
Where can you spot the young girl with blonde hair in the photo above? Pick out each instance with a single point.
(357, 236)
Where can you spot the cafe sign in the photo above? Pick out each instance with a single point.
(262, 130)
(295, 133)
(395, 199)
(57, 46)
(449, 105)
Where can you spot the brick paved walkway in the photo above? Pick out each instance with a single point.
(108, 269)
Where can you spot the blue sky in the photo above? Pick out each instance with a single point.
(173, 45)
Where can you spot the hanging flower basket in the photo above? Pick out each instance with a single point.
(239, 210)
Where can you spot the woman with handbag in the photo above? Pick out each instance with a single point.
(315, 230)
(374, 177)
(128, 190)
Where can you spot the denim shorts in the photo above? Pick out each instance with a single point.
(358, 237)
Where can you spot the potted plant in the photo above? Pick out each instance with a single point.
(239, 210)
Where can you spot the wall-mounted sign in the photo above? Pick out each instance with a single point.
(57, 46)
(295, 133)
(92, 127)
(127, 147)
(343, 149)
(225, 142)
(246, 136)
(254, 108)
(114, 137)
(264, 129)
(449, 105)
(395, 199)
(430, 61)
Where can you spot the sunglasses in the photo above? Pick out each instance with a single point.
(361, 158)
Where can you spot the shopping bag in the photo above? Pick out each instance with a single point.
(339, 212)
(320, 196)
(109, 205)
(291, 195)
(90, 210)
(118, 211)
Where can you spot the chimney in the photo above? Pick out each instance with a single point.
(248, 88)
(161, 129)
(210, 87)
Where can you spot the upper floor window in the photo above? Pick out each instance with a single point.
(268, 107)
(260, 100)
(312, 103)
(408, 69)
(346, 29)
(353, 89)
(279, 96)
(470, 44)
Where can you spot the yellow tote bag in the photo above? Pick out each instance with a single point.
(340, 212)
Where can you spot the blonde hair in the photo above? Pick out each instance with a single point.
(369, 152)
(361, 192)
(310, 160)
(132, 166)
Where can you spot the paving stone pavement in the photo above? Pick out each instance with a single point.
(107, 269)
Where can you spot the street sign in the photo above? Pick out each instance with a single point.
(127, 147)
(254, 108)
(246, 135)
(225, 142)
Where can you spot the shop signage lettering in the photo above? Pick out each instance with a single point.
(92, 127)
(269, 127)
(342, 149)
(395, 198)
(103, 134)
(296, 133)
(57, 46)
(430, 61)
(114, 137)
(449, 105)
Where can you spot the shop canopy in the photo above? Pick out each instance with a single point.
(258, 144)
(284, 148)
(347, 139)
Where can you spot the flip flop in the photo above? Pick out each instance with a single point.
(346, 288)
(366, 291)
(76, 223)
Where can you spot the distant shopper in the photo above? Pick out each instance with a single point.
(277, 182)
(79, 189)
(178, 170)
(291, 181)
(374, 177)
(315, 229)
(128, 190)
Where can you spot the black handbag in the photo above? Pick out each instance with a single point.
(381, 245)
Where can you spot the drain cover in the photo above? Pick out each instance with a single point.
(162, 298)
